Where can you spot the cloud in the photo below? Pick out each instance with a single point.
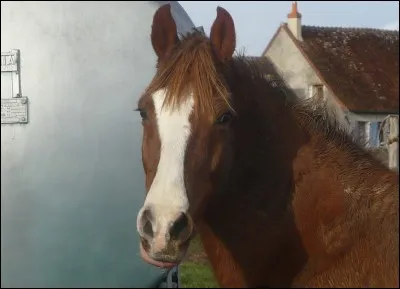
(392, 26)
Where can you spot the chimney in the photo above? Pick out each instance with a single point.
(294, 22)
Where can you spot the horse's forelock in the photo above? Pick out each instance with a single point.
(191, 66)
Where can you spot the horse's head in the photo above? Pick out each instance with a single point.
(187, 120)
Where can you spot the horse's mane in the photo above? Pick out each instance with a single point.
(314, 115)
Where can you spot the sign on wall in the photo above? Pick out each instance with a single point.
(14, 107)
(9, 61)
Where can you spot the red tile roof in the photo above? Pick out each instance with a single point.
(360, 65)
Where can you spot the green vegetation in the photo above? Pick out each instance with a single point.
(197, 276)
(195, 271)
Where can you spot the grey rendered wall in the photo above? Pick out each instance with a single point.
(72, 179)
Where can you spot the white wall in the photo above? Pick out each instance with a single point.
(298, 73)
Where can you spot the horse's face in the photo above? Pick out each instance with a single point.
(187, 121)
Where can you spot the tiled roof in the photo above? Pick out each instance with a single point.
(360, 65)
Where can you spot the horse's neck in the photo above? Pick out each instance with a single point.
(286, 188)
(226, 269)
(249, 226)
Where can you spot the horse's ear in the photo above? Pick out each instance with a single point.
(163, 31)
(223, 36)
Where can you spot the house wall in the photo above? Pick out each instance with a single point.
(354, 118)
(298, 73)
(366, 117)
(300, 76)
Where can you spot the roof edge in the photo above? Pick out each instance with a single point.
(273, 38)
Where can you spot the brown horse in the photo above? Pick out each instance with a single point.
(279, 194)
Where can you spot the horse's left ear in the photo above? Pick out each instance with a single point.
(223, 36)
(164, 35)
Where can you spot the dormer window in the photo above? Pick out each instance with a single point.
(317, 91)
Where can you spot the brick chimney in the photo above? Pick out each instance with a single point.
(294, 21)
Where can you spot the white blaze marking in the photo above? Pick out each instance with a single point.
(167, 194)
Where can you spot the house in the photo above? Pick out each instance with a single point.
(355, 70)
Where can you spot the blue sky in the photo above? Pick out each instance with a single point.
(257, 21)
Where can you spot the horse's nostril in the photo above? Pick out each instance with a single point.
(180, 230)
(148, 229)
(146, 223)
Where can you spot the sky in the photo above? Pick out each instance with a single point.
(257, 21)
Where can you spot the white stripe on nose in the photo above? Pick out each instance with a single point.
(167, 195)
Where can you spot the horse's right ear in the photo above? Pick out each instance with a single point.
(222, 35)
(163, 31)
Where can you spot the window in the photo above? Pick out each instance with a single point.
(374, 140)
(317, 91)
(368, 133)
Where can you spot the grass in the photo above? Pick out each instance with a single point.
(197, 276)
(195, 271)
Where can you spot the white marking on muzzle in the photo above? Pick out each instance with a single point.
(167, 195)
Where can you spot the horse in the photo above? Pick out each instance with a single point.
(279, 193)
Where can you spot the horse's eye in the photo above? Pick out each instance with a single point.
(224, 118)
(143, 113)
